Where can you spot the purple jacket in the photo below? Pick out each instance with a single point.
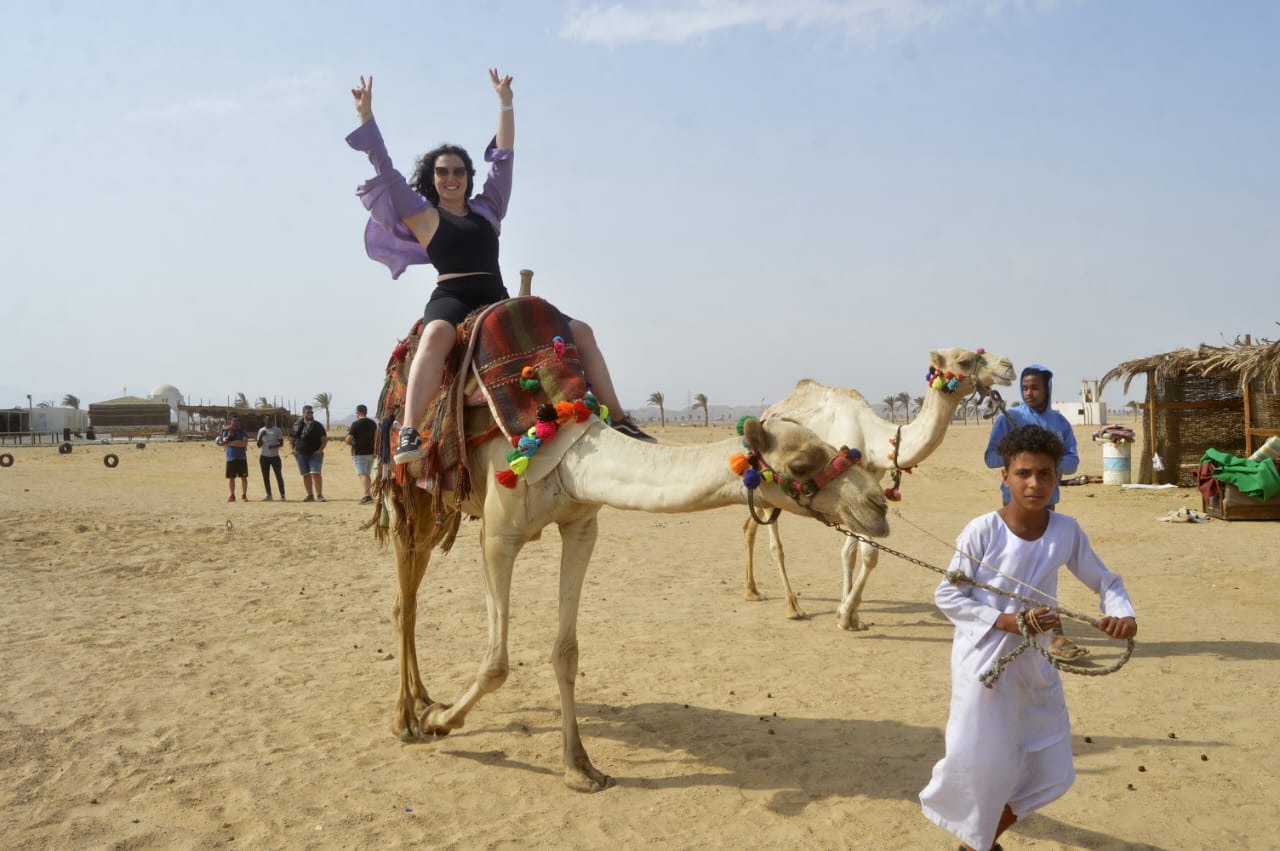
(389, 199)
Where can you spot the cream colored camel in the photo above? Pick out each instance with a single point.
(602, 468)
(842, 416)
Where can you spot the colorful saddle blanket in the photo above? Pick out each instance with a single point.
(521, 353)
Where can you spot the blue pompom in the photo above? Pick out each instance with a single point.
(751, 479)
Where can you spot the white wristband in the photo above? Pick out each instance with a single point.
(505, 108)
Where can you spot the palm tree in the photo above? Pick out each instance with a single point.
(47, 403)
(658, 399)
(904, 399)
(700, 401)
(919, 403)
(1133, 407)
(262, 402)
(72, 402)
(891, 405)
(324, 400)
(242, 401)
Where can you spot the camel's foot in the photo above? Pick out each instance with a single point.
(435, 720)
(406, 725)
(850, 622)
(795, 613)
(753, 595)
(587, 779)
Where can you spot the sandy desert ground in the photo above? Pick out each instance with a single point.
(179, 672)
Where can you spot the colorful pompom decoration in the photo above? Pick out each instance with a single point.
(742, 421)
(739, 463)
(549, 420)
(751, 479)
(892, 494)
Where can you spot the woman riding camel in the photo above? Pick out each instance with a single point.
(433, 218)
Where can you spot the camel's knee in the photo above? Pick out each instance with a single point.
(493, 675)
(564, 658)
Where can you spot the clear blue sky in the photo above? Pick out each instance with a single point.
(735, 193)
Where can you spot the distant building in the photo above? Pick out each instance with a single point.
(1088, 409)
(172, 397)
(131, 415)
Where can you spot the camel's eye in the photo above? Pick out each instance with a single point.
(966, 363)
(807, 463)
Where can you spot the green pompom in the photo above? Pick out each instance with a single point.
(742, 420)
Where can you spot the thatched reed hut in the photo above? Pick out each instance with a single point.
(130, 415)
(205, 420)
(1210, 397)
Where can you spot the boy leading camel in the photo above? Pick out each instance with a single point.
(1008, 746)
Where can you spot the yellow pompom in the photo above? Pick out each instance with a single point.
(519, 465)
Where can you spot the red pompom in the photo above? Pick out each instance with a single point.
(581, 413)
(515, 440)
(507, 479)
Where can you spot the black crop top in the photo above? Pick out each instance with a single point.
(463, 244)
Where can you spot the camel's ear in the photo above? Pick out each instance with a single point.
(758, 440)
(937, 360)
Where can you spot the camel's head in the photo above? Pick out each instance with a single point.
(978, 368)
(852, 498)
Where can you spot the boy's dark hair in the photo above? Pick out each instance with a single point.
(1031, 438)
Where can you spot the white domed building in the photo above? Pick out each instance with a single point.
(172, 397)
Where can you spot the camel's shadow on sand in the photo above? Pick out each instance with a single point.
(789, 759)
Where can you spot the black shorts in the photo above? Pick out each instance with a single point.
(453, 299)
(238, 469)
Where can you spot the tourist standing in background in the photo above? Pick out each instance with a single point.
(360, 437)
(270, 439)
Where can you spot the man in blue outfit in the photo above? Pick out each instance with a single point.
(1037, 409)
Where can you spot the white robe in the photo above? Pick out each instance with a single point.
(1010, 744)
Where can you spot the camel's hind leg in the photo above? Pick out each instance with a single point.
(413, 700)
(865, 557)
(499, 560)
(579, 539)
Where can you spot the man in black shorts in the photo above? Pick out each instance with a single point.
(234, 439)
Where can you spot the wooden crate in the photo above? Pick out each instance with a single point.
(1233, 505)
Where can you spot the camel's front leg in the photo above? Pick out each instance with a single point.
(499, 560)
(865, 558)
(579, 539)
(411, 566)
(775, 549)
(749, 537)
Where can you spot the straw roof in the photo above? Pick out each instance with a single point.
(1241, 361)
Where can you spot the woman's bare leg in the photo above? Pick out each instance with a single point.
(425, 372)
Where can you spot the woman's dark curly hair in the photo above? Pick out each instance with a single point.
(423, 180)
(1031, 438)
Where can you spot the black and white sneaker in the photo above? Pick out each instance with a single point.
(627, 426)
(410, 448)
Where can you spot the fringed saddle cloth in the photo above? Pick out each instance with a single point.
(515, 358)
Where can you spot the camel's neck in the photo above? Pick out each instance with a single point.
(608, 469)
(918, 438)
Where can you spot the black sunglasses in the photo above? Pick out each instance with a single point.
(456, 171)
